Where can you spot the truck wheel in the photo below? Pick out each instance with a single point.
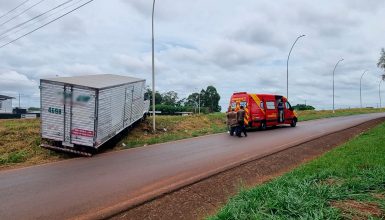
(293, 122)
(144, 117)
(262, 126)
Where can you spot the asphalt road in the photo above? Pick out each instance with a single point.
(89, 187)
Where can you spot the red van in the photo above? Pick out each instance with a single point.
(264, 110)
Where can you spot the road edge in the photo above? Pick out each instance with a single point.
(139, 200)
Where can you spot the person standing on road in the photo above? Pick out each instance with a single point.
(241, 122)
(232, 122)
(280, 111)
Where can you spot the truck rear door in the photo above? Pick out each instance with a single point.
(52, 111)
(83, 114)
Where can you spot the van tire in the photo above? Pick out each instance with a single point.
(293, 122)
(262, 126)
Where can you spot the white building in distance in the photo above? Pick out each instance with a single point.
(5, 104)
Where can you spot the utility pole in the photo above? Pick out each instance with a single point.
(379, 91)
(199, 104)
(19, 100)
(153, 70)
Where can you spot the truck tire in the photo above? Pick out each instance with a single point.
(144, 117)
(293, 122)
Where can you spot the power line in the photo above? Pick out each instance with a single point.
(30, 32)
(14, 9)
(29, 8)
(36, 17)
(38, 21)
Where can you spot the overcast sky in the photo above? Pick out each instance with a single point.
(233, 45)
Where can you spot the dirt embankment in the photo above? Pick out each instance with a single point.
(207, 196)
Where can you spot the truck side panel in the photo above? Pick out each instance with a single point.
(111, 112)
(119, 107)
(138, 101)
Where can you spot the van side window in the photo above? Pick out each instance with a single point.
(270, 105)
(262, 105)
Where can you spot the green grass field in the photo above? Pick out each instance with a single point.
(346, 183)
(20, 138)
(313, 114)
(20, 143)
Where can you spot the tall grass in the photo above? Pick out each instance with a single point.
(170, 128)
(20, 143)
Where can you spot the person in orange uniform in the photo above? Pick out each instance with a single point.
(241, 122)
(232, 122)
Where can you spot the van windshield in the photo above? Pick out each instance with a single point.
(238, 104)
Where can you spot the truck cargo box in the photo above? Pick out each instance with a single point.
(79, 114)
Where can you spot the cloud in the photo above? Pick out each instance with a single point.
(235, 46)
(12, 79)
(14, 84)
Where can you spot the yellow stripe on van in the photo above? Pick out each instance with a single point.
(258, 101)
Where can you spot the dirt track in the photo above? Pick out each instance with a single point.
(205, 197)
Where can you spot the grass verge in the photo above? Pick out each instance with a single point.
(345, 183)
(171, 128)
(313, 114)
(20, 143)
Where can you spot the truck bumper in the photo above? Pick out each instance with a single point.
(64, 149)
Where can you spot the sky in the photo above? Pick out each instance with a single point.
(232, 45)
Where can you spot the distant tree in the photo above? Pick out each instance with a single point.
(33, 109)
(302, 107)
(381, 61)
(148, 96)
(192, 100)
(181, 102)
(210, 99)
(170, 98)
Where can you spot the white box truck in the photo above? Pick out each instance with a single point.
(80, 113)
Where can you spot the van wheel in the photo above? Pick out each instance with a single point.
(293, 122)
(262, 126)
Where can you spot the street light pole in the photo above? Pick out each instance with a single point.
(333, 80)
(199, 104)
(199, 100)
(360, 87)
(153, 70)
(379, 91)
(287, 66)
